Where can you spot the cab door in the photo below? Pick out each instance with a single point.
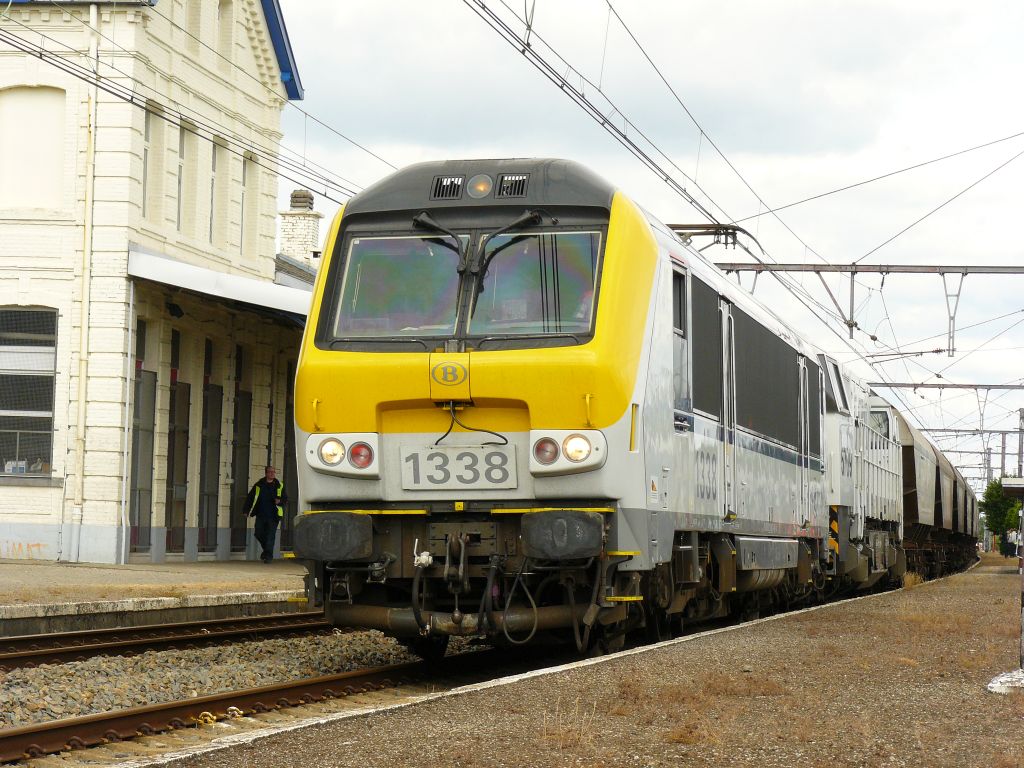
(803, 469)
(728, 482)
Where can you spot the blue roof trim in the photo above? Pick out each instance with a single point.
(283, 49)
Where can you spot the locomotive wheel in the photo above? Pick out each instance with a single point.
(659, 625)
(430, 648)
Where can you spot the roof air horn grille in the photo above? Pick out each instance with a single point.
(512, 184)
(447, 187)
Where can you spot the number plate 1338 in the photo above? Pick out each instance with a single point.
(441, 468)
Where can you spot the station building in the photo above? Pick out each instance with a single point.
(148, 326)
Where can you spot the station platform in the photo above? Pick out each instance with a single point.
(37, 596)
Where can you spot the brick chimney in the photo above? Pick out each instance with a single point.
(300, 229)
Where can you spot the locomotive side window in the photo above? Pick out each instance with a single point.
(680, 363)
(767, 382)
(879, 423)
(835, 391)
(398, 286)
(537, 284)
(707, 349)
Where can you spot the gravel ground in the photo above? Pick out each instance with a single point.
(105, 683)
(894, 680)
(28, 581)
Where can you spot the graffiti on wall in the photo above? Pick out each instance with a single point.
(22, 550)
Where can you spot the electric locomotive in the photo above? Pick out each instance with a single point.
(525, 408)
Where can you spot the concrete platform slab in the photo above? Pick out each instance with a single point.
(38, 597)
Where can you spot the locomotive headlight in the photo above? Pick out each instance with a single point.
(332, 452)
(545, 451)
(576, 448)
(480, 186)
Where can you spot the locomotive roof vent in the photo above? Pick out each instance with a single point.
(447, 187)
(512, 184)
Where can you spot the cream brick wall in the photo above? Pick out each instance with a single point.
(41, 250)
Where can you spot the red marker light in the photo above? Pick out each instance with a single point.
(360, 455)
(545, 451)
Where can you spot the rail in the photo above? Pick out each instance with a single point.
(33, 650)
(39, 739)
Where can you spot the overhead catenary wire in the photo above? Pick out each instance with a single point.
(761, 202)
(308, 115)
(578, 95)
(939, 207)
(216, 129)
(530, 52)
(890, 174)
(239, 146)
(289, 104)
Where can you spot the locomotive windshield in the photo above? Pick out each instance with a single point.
(520, 290)
(399, 286)
(533, 284)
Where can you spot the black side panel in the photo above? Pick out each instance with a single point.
(768, 384)
(707, 349)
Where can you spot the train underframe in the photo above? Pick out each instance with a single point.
(549, 575)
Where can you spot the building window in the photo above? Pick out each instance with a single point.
(209, 455)
(213, 189)
(220, 171)
(225, 28)
(28, 347)
(32, 148)
(248, 219)
(184, 219)
(147, 136)
(181, 176)
(152, 163)
(193, 24)
(140, 508)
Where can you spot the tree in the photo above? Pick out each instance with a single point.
(1000, 510)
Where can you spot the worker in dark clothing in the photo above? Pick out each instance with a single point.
(266, 502)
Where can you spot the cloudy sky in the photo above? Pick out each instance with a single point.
(802, 97)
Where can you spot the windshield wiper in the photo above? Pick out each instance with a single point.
(526, 219)
(424, 220)
(479, 270)
(379, 340)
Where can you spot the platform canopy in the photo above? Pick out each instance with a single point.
(1013, 487)
(262, 296)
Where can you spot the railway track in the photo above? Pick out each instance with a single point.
(40, 739)
(33, 650)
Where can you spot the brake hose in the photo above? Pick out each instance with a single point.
(508, 602)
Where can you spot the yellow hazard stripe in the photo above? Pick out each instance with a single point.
(625, 599)
(622, 552)
(531, 510)
(369, 511)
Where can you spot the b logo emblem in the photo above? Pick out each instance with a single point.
(449, 374)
